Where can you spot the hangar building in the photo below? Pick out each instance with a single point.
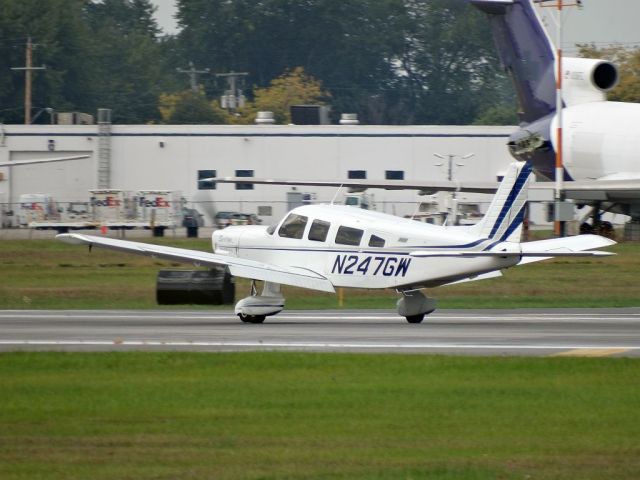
(175, 157)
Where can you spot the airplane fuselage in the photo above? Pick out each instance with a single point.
(600, 141)
(361, 249)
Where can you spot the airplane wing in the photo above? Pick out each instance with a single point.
(295, 276)
(584, 190)
(427, 187)
(42, 160)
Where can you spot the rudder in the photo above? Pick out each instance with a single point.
(525, 52)
(504, 217)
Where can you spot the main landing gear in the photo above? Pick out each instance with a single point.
(413, 305)
(256, 308)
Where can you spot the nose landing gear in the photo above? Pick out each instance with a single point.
(413, 305)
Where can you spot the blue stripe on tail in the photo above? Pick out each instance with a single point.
(520, 182)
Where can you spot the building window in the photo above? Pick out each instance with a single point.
(265, 210)
(394, 174)
(357, 174)
(349, 236)
(207, 185)
(244, 173)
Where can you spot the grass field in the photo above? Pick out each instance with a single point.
(316, 416)
(312, 416)
(50, 274)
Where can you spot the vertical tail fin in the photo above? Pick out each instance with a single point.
(503, 220)
(525, 52)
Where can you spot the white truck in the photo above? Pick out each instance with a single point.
(107, 208)
(41, 212)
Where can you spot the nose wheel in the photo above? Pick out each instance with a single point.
(413, 305)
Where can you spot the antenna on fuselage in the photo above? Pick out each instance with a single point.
(336, 195)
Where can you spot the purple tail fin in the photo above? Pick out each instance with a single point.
(525, 52)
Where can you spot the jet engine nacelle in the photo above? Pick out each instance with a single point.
(587, 80)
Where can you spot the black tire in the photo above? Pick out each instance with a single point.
(252, 318)
(415, 318)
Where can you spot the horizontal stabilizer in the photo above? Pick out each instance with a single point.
(295, 276)
(560, 252)
(578, 246)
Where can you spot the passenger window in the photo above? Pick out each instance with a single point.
(376, 241)
(293, 226)
(318, 231)
(349, 236)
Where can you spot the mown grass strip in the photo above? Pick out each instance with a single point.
(50, 274)
(316, 416)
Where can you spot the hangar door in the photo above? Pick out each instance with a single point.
(66, 181)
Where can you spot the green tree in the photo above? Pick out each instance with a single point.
(187, 107)
(293, 87)
(391, 61)
(61, 39)
(127, 63)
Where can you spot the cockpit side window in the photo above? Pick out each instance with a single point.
(349, 236)
(293, 226)
(319, 230)
(376, 241)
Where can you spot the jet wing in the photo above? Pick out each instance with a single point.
(427, 187)
(584, 190)
(295, 276)
(42, 160)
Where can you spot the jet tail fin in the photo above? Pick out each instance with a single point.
(526, 54)
(503, 220)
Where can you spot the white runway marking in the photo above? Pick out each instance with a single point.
(581, 332)
(310, 345)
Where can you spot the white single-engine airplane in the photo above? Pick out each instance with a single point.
(322, 247)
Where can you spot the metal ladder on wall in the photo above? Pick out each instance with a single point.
(104, 148)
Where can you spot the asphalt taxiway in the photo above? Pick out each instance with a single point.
(535, 332)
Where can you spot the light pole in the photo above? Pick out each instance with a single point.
(453, 207)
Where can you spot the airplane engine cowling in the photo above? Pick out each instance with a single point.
(587, 80)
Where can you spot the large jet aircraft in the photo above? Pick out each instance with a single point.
(600, 139)
(322, 247)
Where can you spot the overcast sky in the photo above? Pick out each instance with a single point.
(600, 21)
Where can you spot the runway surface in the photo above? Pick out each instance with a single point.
(535, 332)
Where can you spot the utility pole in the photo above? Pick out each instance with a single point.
(453, 209)
(232, 97)
(193, 75)
(28, 68)
(560, 227)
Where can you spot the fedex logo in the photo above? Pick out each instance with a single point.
(107, 201)
(157, 202)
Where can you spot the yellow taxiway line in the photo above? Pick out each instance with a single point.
(591, 352)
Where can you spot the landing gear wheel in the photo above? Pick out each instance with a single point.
(251, 318)
(415, 318)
